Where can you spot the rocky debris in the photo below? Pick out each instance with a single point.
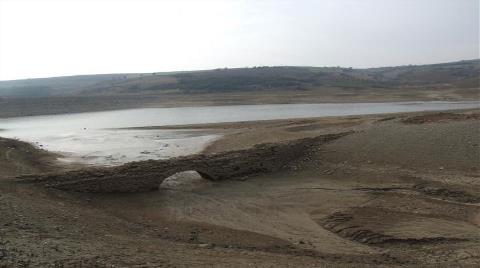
(148, 175)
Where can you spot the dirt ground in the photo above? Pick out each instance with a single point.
(402, 190)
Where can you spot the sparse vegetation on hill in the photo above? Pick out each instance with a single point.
(462, 74)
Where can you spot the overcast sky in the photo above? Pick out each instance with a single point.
(53, 38)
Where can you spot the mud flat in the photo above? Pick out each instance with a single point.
(119, 137)
(386, 191)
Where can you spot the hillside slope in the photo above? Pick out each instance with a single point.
(461, 75)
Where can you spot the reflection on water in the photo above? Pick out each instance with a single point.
(92, 137)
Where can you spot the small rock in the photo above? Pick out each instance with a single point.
(328, 171)
(205, 245)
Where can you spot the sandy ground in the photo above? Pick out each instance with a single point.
(402, 190)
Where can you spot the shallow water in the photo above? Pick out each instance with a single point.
(96, 138)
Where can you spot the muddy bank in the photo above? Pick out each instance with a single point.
(17, 157)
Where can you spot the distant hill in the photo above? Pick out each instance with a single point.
(461, 74)
(56, 85)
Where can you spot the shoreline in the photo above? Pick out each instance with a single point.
(194, 105)
(243, 124)
(246, 134)
(9, 107)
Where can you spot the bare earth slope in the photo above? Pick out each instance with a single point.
(390, 194)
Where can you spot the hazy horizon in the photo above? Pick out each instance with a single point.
(193, 70)
(48, 38)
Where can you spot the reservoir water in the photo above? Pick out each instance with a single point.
(100, 138)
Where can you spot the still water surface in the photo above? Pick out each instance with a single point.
(98, 138)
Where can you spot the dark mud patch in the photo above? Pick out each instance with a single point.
(440, 117)
(390, 118)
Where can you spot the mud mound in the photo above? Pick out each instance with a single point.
(376, 226)
(147, 175)
(18, 157)
(440, 117)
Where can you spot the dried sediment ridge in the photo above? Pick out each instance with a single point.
(148, 175)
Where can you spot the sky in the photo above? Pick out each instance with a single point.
(45, 38)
